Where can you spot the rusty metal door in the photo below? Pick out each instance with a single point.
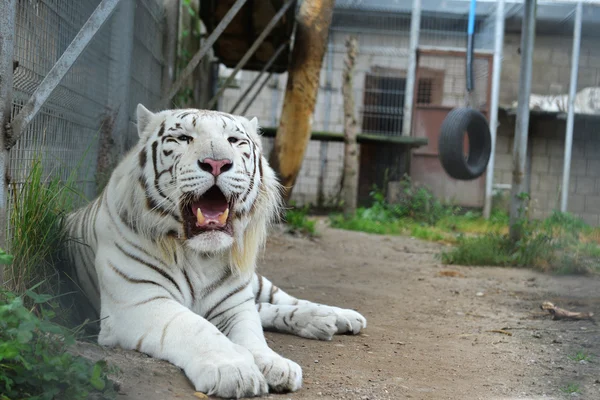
(440, 87)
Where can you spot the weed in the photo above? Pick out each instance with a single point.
(571, 388)
(34, 362)
(298, 222)
(554, 244)
(36, 222)
(580, 356)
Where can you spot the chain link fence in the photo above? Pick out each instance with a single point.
(76, 127)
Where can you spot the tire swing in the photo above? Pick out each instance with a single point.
(451, 144)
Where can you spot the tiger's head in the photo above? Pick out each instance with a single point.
(205, 177)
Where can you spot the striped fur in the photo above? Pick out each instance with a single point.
(587, 101)
(193, 299)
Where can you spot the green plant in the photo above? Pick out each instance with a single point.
(571, 388)
(36, 224)
(298, 222)
(580, 356)
(488, 249)
(554, 244)
(34, 362)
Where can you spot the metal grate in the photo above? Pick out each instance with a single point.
(67, 129)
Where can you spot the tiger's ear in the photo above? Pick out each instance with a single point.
(144, 116)
(254, 124)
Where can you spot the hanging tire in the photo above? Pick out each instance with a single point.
(450, 145)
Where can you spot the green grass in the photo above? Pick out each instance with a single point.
(298, 222)
(36, 227)
(560, 243)
(580, 356)
(571, 388)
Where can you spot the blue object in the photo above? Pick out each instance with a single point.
(470, 45)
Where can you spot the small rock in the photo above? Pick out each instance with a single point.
(479, 294)
(316, 361)
(536, 335)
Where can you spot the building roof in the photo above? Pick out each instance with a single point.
(553, 17)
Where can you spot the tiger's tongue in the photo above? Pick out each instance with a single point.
(210, 213)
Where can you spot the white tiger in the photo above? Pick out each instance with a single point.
(166, 256)
(587, 101)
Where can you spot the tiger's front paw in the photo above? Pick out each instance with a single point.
(228, 374)
(349, 321)
(281, 374)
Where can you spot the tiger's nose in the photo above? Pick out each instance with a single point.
(215, 167)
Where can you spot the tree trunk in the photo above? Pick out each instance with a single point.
(350, 183)
(295, 125)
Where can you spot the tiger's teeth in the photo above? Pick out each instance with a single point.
(223, 217)
(200, 217)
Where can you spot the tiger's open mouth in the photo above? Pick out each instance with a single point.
(209, 212)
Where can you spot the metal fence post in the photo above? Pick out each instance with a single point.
(517, 202)
(495, 97)
(571, 112)
(8, 14)
(411, 72)
(122, 36)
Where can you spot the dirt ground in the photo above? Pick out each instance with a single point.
(429, 336)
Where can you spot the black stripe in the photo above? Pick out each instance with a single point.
(152, 266)
(139, 342)
(231, 308)
(274, 289)
(223, 324)
(251, 186)
(134, 280)
(216, 284)
(230, 294)
(87, 264)
(161, 131)
(292, 314)
(260, 287)
(143, 158)
(139, 303)
(187, 278)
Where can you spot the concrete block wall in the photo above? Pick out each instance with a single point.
(546, 152)
(551, 76)
(551, 65)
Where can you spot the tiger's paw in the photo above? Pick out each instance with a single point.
(231, 374)
(282, 375)
(348, 321)
(314, 322)
(322, 322)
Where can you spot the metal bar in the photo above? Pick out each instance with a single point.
(411, 72)
(187, 71)
(494, 103)
(8, 14)
(255, 81)
(171, 29)
(517, 201)
(261, 38)
(59, 70)
(571, 113)
(260, 88)
(120, 73)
